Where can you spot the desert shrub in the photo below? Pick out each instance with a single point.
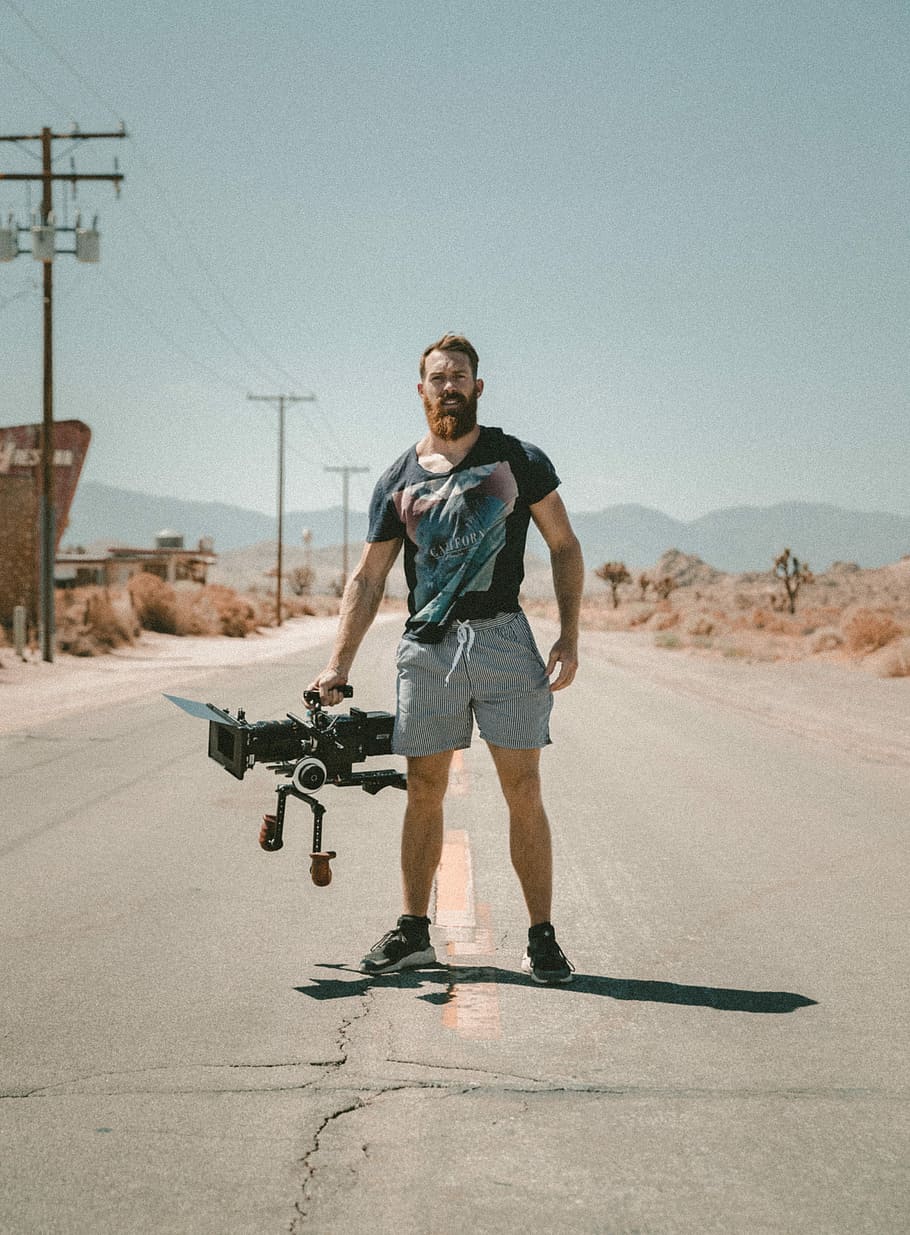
(701, 626)
(827, 639)
(110, 628)
(669, 642)
(641, 618)
(301, 580)
(768, 621)
(896, 663)
(821, 615)
(300, 606)
(867, 630)
(91, 621)
(665, 619)
(155, 603)
(196, 615)
(236, 614)
(215, 610)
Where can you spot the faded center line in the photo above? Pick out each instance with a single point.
(472, 1010)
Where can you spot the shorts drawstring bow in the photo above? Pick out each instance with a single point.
(464, 633)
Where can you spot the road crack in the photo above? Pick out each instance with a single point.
(191, 1078)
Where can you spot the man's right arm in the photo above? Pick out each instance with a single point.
(359, 606)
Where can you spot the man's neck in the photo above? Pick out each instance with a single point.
(437, 454)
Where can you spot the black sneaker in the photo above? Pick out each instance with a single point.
(406, 947)
(544, 959)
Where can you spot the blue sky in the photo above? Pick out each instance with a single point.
(676, 232)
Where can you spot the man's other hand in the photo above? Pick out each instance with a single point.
(565, 654)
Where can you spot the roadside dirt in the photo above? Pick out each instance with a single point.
(824, 699)
(32, 691)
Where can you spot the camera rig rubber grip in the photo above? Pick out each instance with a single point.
(320, 871)
(271, 833)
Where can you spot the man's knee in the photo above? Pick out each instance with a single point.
(428, 778)
(519, 775)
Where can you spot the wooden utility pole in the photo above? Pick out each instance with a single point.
(48, 551)
(48, 537)
(345, 473)
(280, 400)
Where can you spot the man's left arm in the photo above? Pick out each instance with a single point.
(568, 566)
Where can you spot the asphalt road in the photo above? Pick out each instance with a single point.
(186, 1046)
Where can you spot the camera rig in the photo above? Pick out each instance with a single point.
(311, 751)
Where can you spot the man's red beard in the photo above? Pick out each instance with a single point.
(451, 423)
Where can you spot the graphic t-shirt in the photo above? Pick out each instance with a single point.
(464, 530)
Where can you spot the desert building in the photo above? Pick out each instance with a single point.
(113, 566)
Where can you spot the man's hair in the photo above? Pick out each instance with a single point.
(450, 343)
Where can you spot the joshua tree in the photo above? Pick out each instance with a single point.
(793, 574)
(663, 587)
(613, 573)
(302, 579)
(644, 582)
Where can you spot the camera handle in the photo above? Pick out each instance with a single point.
(271, 834)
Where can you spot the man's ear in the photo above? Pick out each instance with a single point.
(478, 387)
(420, 389)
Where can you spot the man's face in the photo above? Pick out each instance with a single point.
(450, 393)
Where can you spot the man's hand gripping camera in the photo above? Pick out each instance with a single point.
(310, 751)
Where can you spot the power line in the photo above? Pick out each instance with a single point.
(25, 291)
(207, 271)
(268, 363)
(61, 59)
(87, 84)
(36, 86)
(172, 343)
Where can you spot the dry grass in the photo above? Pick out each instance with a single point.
(211, 610)
(847, 616)
(867, 630)
(92, 621)
(896, 664)
(155, 603)
(216, 610)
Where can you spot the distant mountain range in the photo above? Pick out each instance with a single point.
(742, 538)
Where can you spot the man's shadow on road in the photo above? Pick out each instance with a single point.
(441, 982)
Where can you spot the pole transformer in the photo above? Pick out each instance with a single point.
(281, 400)
(47, 176)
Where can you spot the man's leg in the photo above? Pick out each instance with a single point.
(421, 835)
(529, 830)
(408, 945)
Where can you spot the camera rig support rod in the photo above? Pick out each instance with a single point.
(271, 834)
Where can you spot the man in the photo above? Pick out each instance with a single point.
(460, 501)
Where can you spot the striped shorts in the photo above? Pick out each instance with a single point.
(490, 669)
